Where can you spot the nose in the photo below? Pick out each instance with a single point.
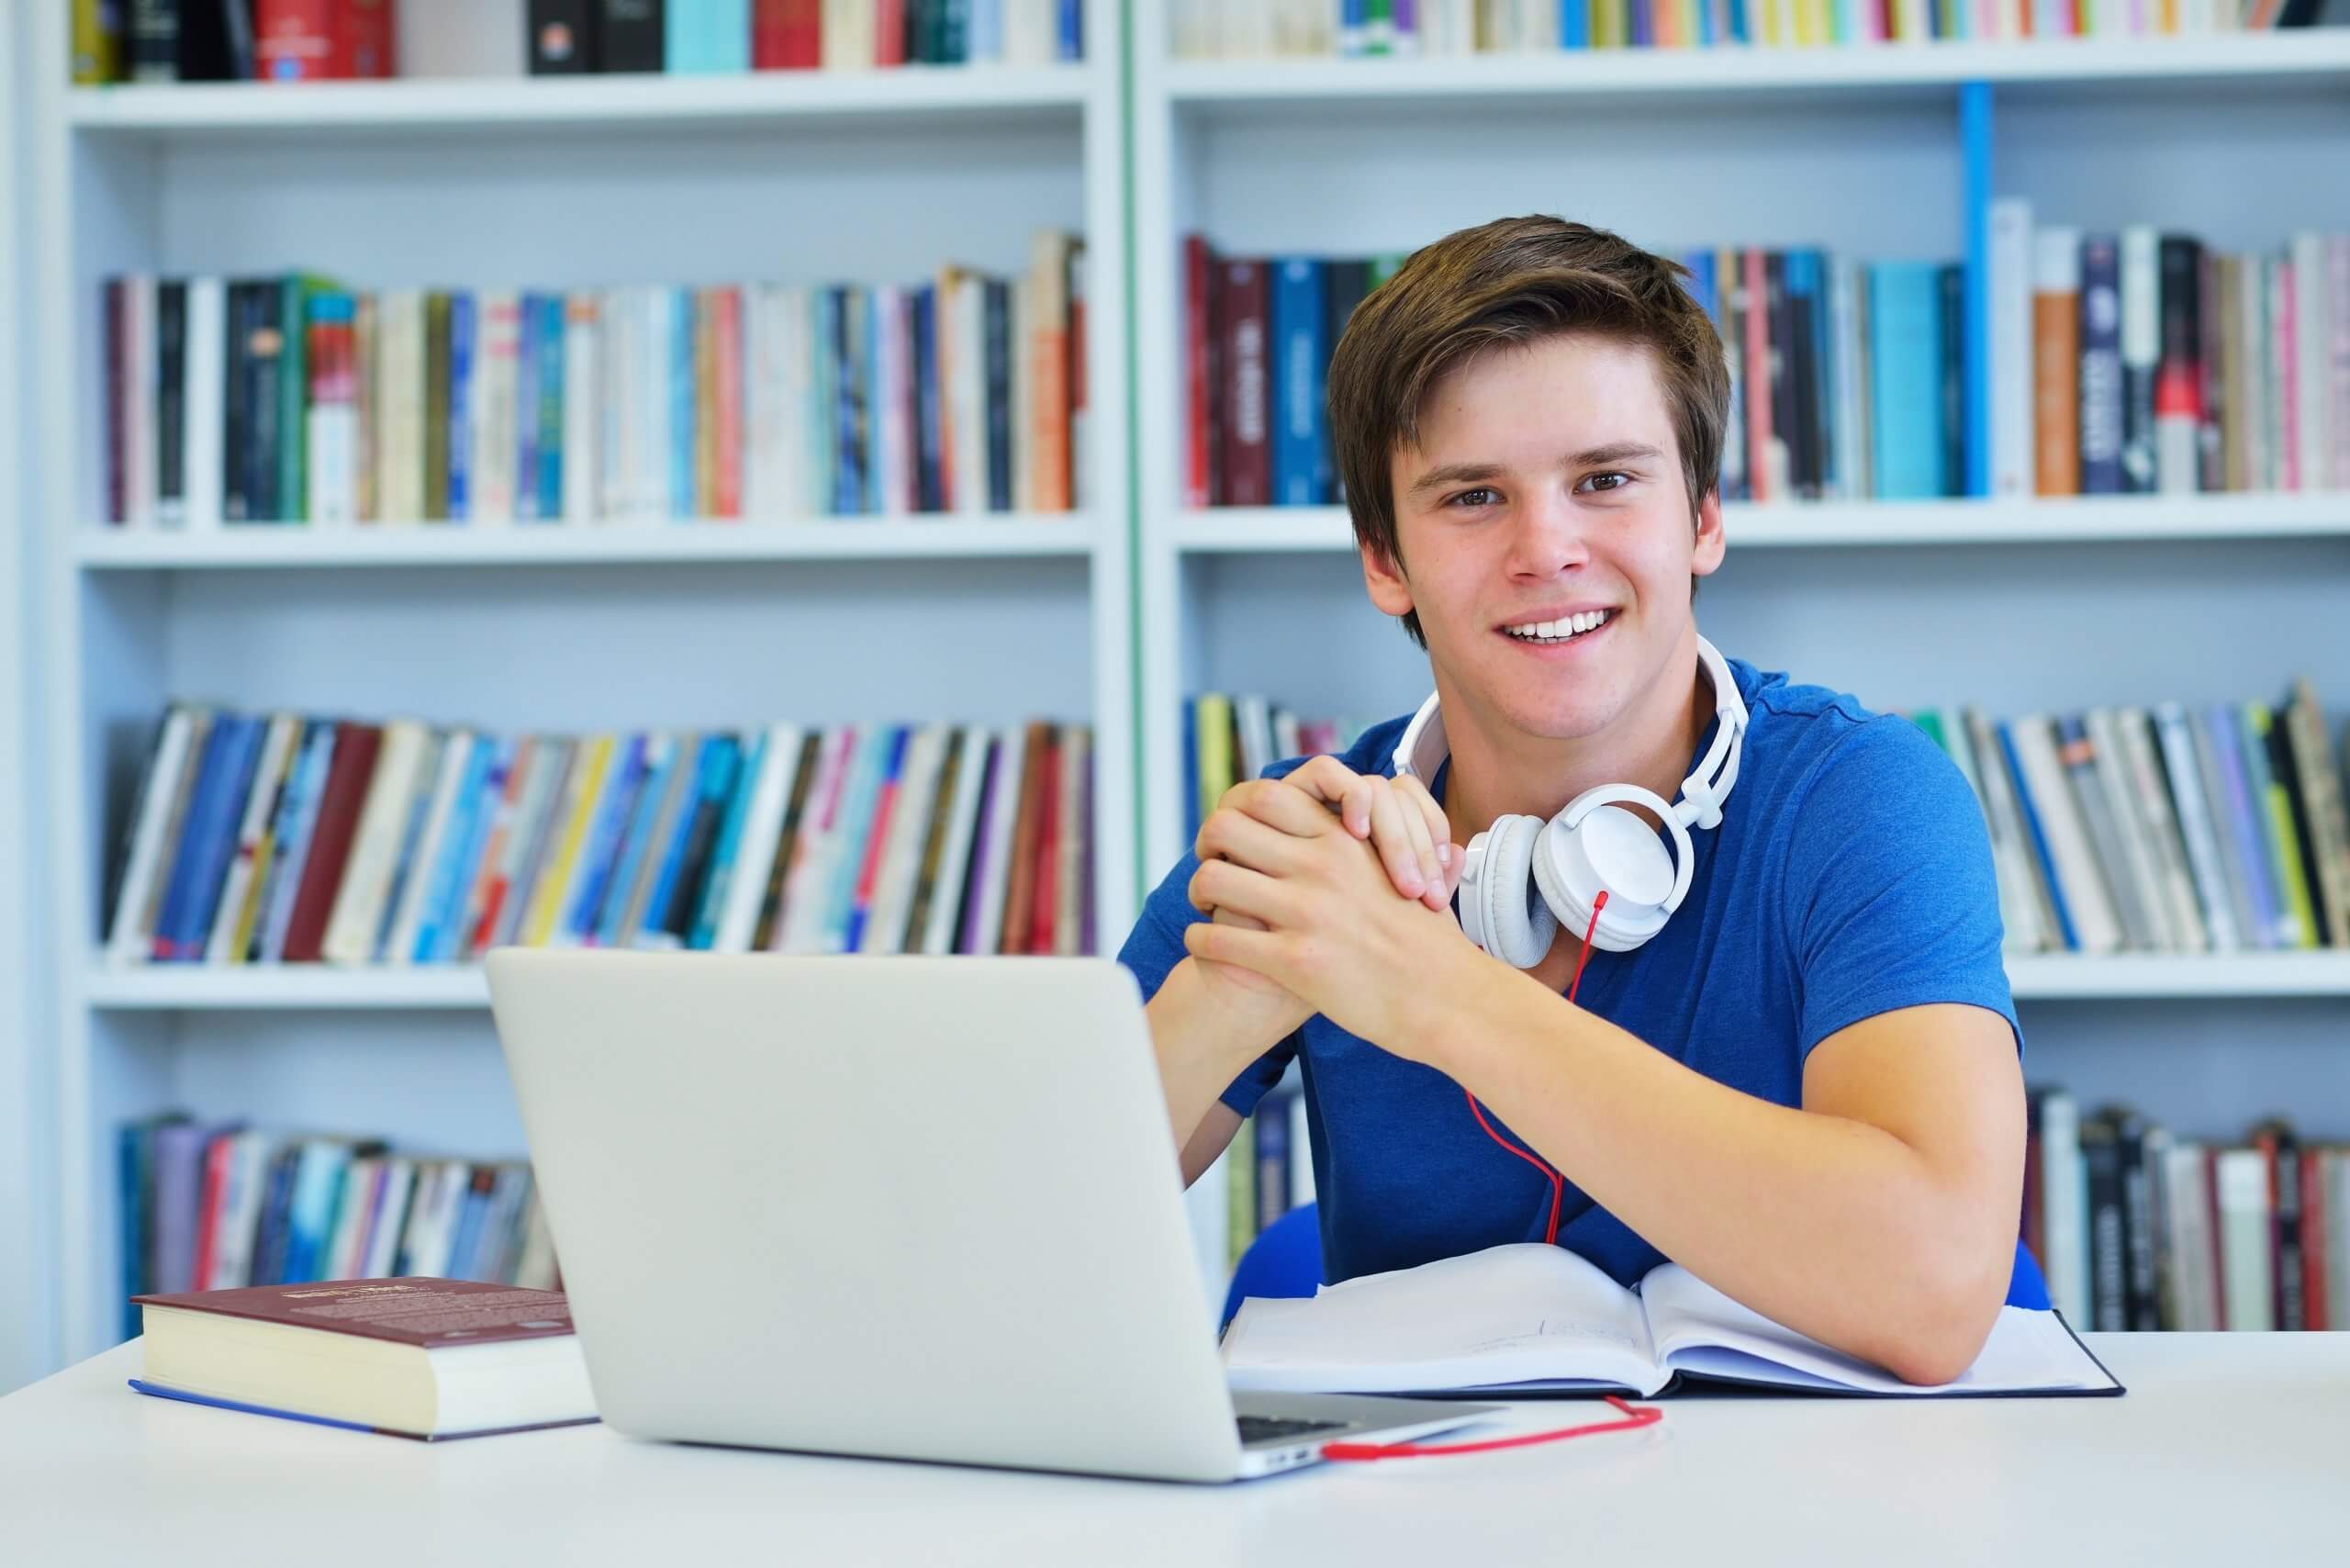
(1546, 537)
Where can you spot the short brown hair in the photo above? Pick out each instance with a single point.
(1513, 281)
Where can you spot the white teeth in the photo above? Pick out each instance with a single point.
(1561, 629)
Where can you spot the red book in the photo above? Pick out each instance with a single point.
(1043, 912)
(2315, 1239)
(787, 35)
(217, 1160)
(1245, 306)
(729, 397)
(1758, 378)
(888, 32)
(1198, 387)
(367, 40)
(347, 779)
(296, 41)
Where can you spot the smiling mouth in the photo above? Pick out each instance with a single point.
(1559, 632)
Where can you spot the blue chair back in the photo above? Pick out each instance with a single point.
(1286, 1261)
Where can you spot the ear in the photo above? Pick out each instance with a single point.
(1384, 580)
(1706, 557)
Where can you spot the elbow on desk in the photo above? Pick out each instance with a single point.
(1944, 1322)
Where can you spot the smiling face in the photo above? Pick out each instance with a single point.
(1546, 540)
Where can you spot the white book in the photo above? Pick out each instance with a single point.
(237, 888)
(2198, 828)
(2027, 923)
(1528, 1315)
(2010, 375)
(2096, 927)
(128, 941)
(2140, 275)
(381, 1249)
(762, 403)
(893, 892)
(141, 383)
(615, 494)
(497, 451)
(967, 392)
(892, 391)
(2063, 1207)
(945, 922)
(1031, 34)
(655, 431)
(374, 845)
(995, 846)
(346, 1241)
(582, 425)
(848, 34)
(2188, 1211)
(801, 924)
(2134, 834)
(424, 1199)
(2313, 349)
(754, 850)
(330, 466)
(232, 1235)
(2245, 1225)
(2164, 843)
(1301, 1154)
(399, 407)
(203, 454)
(455, 752)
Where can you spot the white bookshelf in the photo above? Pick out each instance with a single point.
(2019, 606)
(575, 183)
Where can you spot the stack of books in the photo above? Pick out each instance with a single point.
(261, 839)
(2138, 1229)
(294, 401)
(216, 1206)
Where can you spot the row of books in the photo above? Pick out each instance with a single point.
(291, 400)
(2117, 363)
(1245, 29)
(1229, 738)
(312, 40)
(2216, 828)
(261, 839)
(2136, 1228)
(2134, 361)
(218, 1205)
(1268, 1170)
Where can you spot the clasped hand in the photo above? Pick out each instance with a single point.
(1328, 890)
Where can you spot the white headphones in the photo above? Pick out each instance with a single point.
(1525, 876)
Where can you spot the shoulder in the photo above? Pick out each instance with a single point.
(1826, 753)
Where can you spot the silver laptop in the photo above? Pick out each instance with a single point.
(903, 1207)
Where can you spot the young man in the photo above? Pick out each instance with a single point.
(1806, 1087)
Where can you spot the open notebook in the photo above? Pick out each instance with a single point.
(1527, 1318)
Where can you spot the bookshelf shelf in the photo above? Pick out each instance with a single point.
(1210, 85)
(272, 545)
(959, 97)
(2119, 518)
(292, 988)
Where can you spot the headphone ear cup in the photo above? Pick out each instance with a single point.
(1517, 927)
(1639, 880)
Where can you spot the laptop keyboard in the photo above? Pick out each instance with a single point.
(1266, 1428)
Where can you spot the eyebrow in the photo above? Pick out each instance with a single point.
(1477, 473)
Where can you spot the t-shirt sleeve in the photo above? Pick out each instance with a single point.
(1156, 946)
(1890, 896)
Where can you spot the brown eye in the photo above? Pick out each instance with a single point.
(1609, 481)
(1480, 497)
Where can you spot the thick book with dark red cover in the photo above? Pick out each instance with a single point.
(419, 1311)
(347, 779)
(1244, 311)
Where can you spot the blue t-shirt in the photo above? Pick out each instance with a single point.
(1851, 875)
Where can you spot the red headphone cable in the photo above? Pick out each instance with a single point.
(1634, 1417)
(1558, 1185)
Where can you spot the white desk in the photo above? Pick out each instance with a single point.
(2226, 1450)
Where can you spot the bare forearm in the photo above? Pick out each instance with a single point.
(1833, 1226)
(1203, 1036)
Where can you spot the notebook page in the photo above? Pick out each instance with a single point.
(1522, 1313)
(1698, 1330)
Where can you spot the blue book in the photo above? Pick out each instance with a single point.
(1574, 24)
(2030, 815)
(163, 944)
(682, 443)
(730, 842)
(703, 37)
(443, 873)
(872, 752)
(165, 1391)
(442, 933)
(892, 771)
(466, 1240)
(1189, 793)
(713, 775)
(1741, 26)
(1300, 359)
(2243, 815)
(929, 452)
(603, 844)
(461, 406)
(1906, 378)
(1072, 29)
(839, 358)
(310, 1215)
(290, 835)
(2100, 395)
(661, 758)
(869, 326)
(271, 1234)
(216, 841)
(1701, 285)
(419, 807)
(549, 412)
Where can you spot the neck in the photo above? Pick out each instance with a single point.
(1499, 769)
